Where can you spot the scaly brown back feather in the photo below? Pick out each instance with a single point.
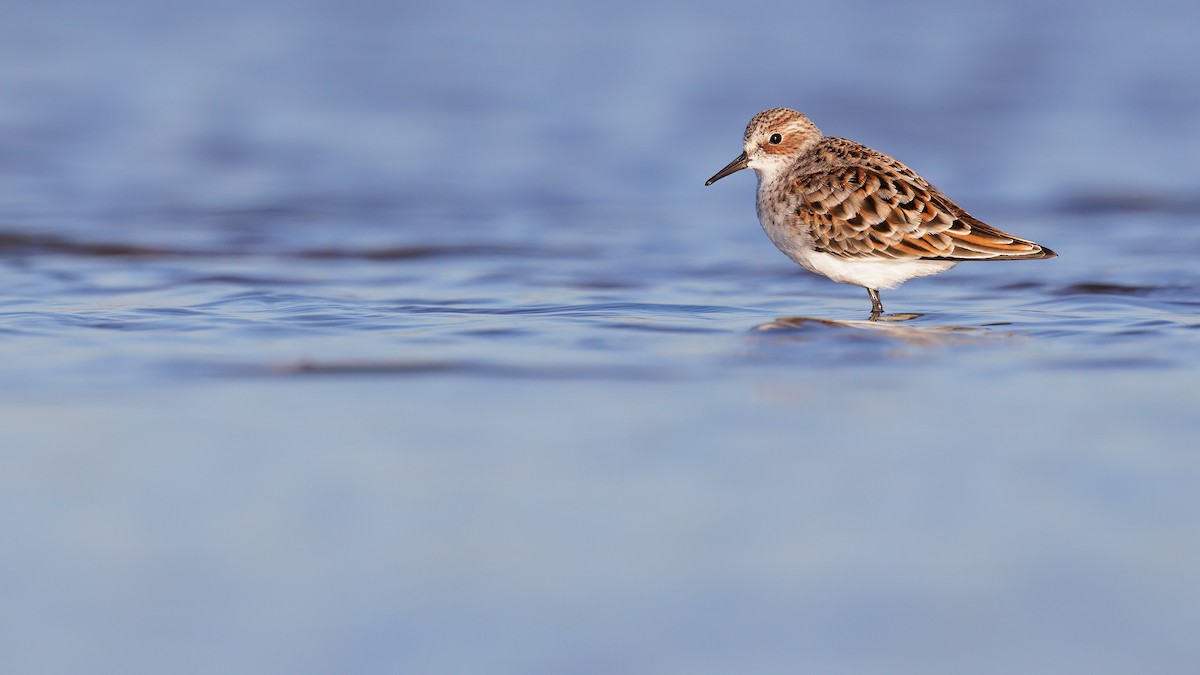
(859, 203)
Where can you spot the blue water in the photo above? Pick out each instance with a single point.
(359, 337)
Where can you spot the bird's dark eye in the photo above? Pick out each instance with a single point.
(775, 139)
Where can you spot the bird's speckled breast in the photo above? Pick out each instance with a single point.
(776, 209)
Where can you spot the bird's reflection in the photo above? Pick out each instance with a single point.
(888, 326)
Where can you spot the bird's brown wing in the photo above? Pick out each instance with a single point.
(859, 212)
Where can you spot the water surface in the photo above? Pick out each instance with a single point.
(407, 339)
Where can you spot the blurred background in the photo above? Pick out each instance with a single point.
(403, 337)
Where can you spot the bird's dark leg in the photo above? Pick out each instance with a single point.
(876, 305)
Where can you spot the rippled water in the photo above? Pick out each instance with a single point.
(379, 338)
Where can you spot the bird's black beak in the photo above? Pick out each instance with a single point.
(732, 167)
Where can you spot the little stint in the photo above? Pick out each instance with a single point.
(856, 215)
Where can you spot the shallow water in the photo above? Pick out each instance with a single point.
(407, 339)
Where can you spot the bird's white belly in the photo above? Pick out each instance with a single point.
(877, 274)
